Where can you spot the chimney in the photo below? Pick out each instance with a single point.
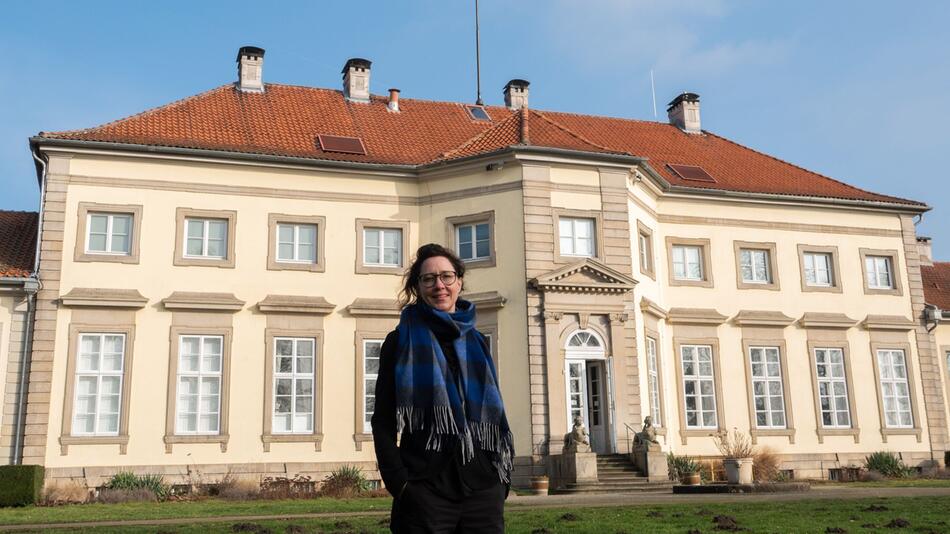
(516, 94)
(393, 100)
(250, 60)
(356, 79)
(925, 250)
(683, 112)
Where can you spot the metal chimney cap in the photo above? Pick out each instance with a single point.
(517, 82)
(356, 62)
(252, 51)
(685, 97)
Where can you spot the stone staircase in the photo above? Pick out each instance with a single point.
(616, 473)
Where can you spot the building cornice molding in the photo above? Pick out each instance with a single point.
(486, 300)
(827, 320)
(97, 297)
(370, 307)
(598, 278)
(762, 318)
(200, 301)
(295, 304)
(652, 308)
(701, 316)
(888, 322)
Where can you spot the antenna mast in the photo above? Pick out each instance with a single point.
(653, 90)
(478, 63)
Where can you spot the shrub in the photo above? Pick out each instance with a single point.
(130, 481)
(734, 444)
(21, 485)
(678, 466)
(765, 465)
(345, 481)
(116, 496)
(285, 488)
(887, 464)
(65, 492)
(237, 489)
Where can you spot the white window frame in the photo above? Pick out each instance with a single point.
(645, 250)
(890, 381)
(653, 372)
(98, 374)
(294, 376)
(110, 234)
(873, 270)
(830, 380)
(381, 248)
(697, 379)
(369, 391)
(680, 250)
(295, 243)
(767, 373)
(752, 253)
(205, 238)
(474, 242)
(828, 269)
(200, 375)
(573, 238)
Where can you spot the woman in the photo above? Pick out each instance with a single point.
(437, 386)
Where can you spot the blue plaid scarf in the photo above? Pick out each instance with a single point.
(428, 397)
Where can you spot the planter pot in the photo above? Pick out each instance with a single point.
(691, 479)
(539, 485)
(738, 470)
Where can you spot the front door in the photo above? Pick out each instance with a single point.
(586, 398)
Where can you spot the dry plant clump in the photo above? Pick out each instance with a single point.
(734, 444)
(765, 465)
(68, 492)
(232, 488)
(115, 496)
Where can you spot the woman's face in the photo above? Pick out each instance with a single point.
(439, 295)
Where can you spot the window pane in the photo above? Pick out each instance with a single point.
(194, 247)
(482, 249)
(285, 233)
(195, 228)
(306, 252)
(217, 248)
(218, 230)
(465, 235)
(120, 243)
(305, 365)
(285, 251)
(97, 242)
(121, 224)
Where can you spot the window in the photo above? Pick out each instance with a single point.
(832, 388)
(473, 241)
(371, 349)
(818, 270)
(107, 233)
(881, 272)
(645, 250)
(878, 272)
(767, 388)
(576, 236)
(205, 238)
(895, 391)
(699, 390)
(654, 379)
(295, 242)
(199, 384)
(99, 376)
(687, 262)
(293, 385)
(381, 246)
(755, 265)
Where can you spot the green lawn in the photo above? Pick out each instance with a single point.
(889, 483)
(918, 514)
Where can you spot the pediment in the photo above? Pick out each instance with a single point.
(586, 276)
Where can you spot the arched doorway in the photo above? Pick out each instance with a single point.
(586, 373)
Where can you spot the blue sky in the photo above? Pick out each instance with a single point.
(854, 90)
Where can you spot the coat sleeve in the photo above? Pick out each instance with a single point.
(389, 460)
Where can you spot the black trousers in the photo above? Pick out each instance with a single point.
(421, 510)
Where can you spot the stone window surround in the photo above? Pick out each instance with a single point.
(897, 288)
(595, 215)
(645, 231)
(316, 436)
(363, 224)
(318, 266)
(654, 334)
(706, 256)
(171, 412)
(914, 430)
(122, 439)
(750, 340)
(944, 353)
(837, 282)
(474, 218)
(833, 342)
(85, 208)
(770, 249)
(360, 435)
(375, 318)
(191, 213)
(678, 342)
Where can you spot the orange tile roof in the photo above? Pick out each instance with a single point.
(17, 243)
(285, 120)
(937, 284)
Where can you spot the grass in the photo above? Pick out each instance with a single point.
(922, 514)
(889, 483)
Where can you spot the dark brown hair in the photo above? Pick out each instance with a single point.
(410, 281)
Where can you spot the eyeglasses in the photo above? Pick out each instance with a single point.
(448, 278)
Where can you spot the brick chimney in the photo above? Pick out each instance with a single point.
(393, 100)
(356, 79)
(516, 94)
(925, 249)
(683, 112)
(250, 60)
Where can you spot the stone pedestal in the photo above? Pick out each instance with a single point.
(573, 468)
(651, 461)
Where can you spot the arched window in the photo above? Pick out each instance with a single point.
(584, 340)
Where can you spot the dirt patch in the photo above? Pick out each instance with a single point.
(541, 530)
(654, 513)
(835, 530)
(726, 522)
(869, 525)
(250, 527)
(568, 517)
(694, 531)
(899, 522)
(875, 508)
(295, 529)
(703, 511)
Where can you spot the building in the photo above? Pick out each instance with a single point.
(936, 279)
(218, 274)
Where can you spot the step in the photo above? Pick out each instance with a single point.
(653, 488)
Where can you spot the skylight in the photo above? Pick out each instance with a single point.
(692, 173)
(478, 113)
(338, 143)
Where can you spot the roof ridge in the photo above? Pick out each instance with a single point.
(145, 113)
(465, 144)
(574, 134)
(809, 171)
(19, 211)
